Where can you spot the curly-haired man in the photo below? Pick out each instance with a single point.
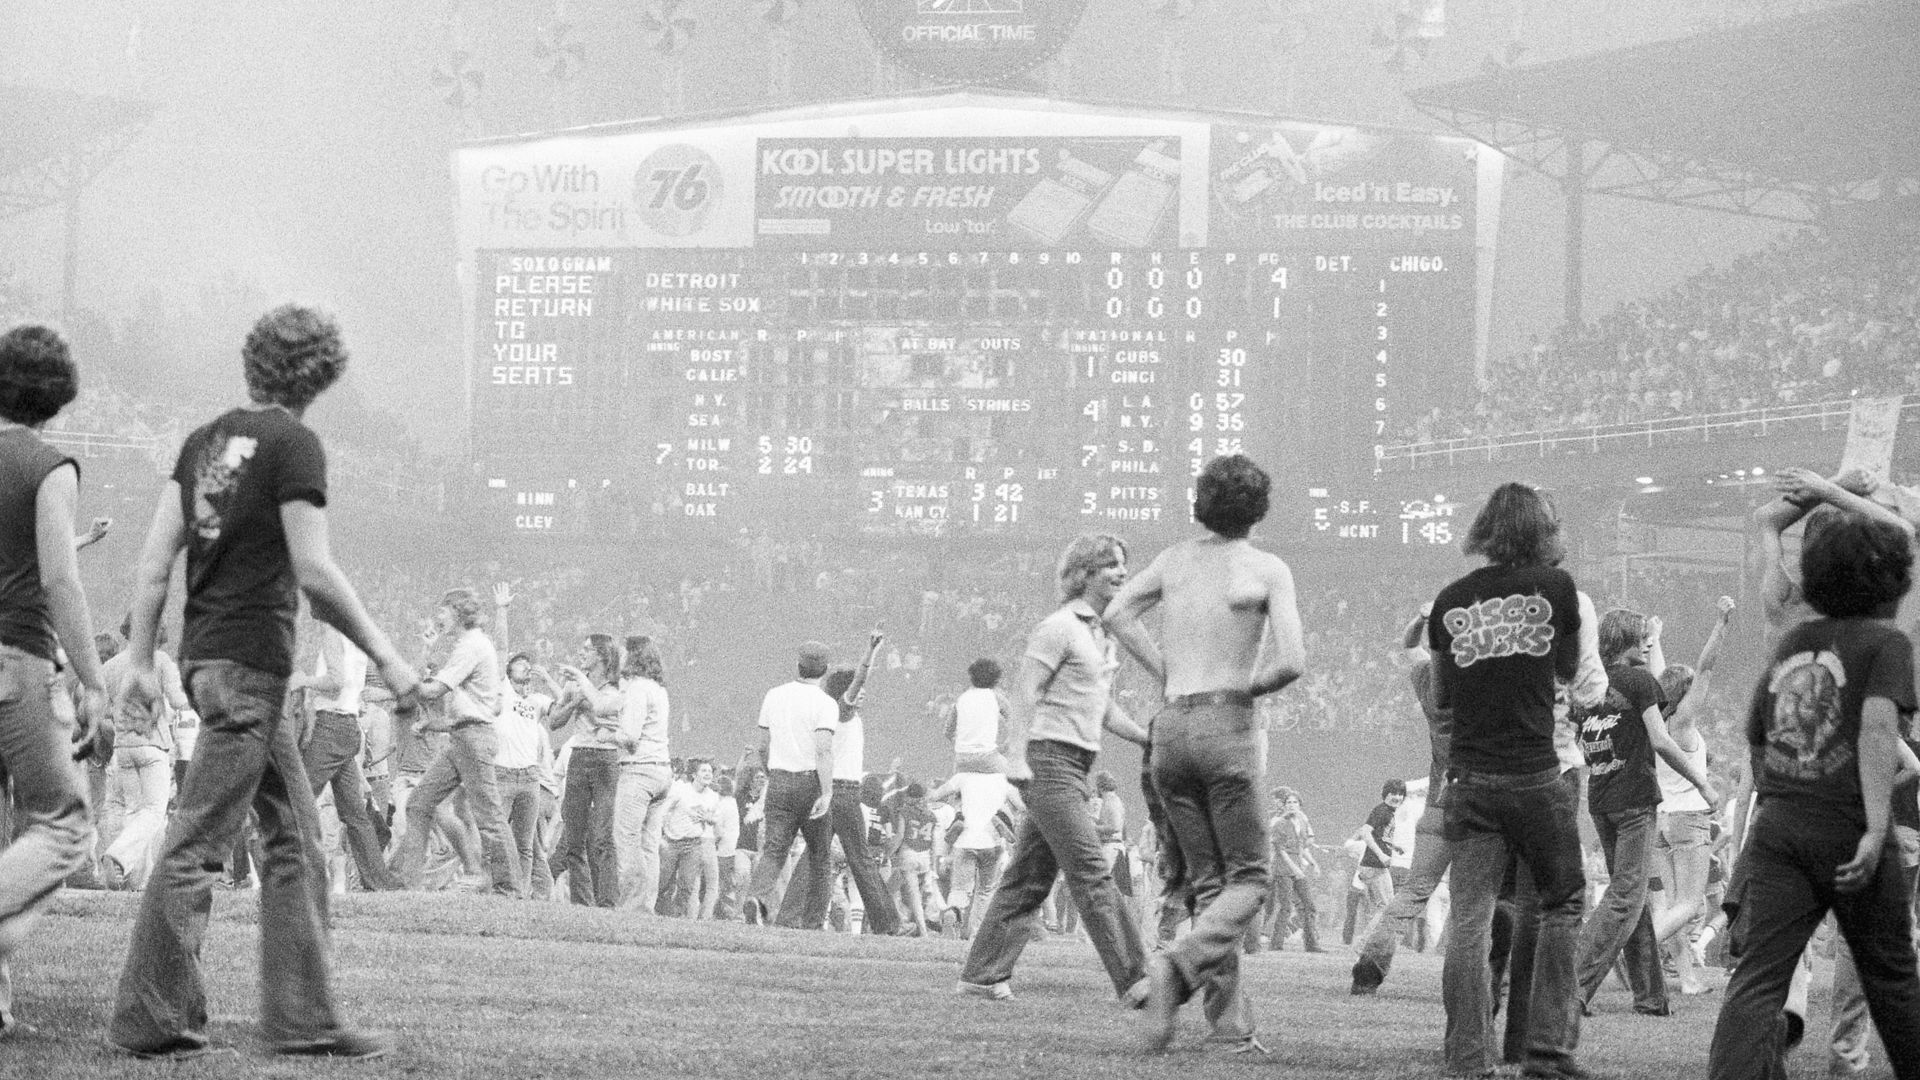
(247, 501)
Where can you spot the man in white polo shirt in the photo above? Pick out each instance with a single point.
(799, 719)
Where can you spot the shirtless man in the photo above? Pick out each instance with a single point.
(1221, 596)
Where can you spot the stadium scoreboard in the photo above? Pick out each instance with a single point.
(1023, 336)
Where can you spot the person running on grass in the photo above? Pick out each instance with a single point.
(1221, 596)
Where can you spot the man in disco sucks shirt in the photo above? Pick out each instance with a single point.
(1500, 637)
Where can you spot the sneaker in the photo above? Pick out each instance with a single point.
(1653, 1010)
(341, 1045)
(1367, 977)
(1136, 995)
(999, 991)
(18, 1030)
(1162, 1004)
(1562, 1070)
(1250, 1046)
(183, 1050)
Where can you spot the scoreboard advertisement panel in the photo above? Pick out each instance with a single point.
(1021, 322)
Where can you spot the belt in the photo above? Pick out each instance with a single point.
(529, 770)
(793, 772)
(855, 784)
(1213, 697)
(595, 750)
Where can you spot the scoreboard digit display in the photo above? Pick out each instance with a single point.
(942, 337)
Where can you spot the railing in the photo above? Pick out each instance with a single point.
(1805, 419)
(392, 482)
(89, 444)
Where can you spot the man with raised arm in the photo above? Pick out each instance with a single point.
(1220, 596)
(247, 501)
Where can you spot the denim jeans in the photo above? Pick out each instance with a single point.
(1286, 894)
(332, 757)
(680, 879)
(520, 797)
(137, 788)
(591, 860)
(1786, 888)
(1432, 854)
(1621, 926)
(850, 825)
(1206, 770)
(790, 799)
(466, 765)
(639, 811)
(50, 802)
(972, 878)
(246, 757)
(1682, 856)
(1058, 836)
(1176, 899)
(1491, 816)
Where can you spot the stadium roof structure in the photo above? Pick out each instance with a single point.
(1787, 119)
(57, 142)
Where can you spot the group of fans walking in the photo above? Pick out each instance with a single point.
(1535, 702)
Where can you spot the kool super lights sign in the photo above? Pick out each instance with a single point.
(970, 41)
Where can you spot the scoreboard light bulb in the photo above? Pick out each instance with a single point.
(1643, 479)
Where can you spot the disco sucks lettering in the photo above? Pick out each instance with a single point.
(1500, 626)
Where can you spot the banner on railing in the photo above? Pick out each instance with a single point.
(1871, 428)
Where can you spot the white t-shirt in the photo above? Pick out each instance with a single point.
(790, 714)
(353, 678)
(850, 749)
(518, 730)
(644, 718)
(981, 796)
(1677, 793)
(976, 722)
(726, 828)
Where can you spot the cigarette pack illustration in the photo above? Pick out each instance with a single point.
(1058, 203)
(1135, 205)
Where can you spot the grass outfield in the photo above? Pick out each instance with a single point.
(475, 987)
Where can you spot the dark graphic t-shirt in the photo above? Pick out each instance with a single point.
(1380, 824)
(1501, 635)
(1804, 726)
(234, 474)
(1613, 734)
